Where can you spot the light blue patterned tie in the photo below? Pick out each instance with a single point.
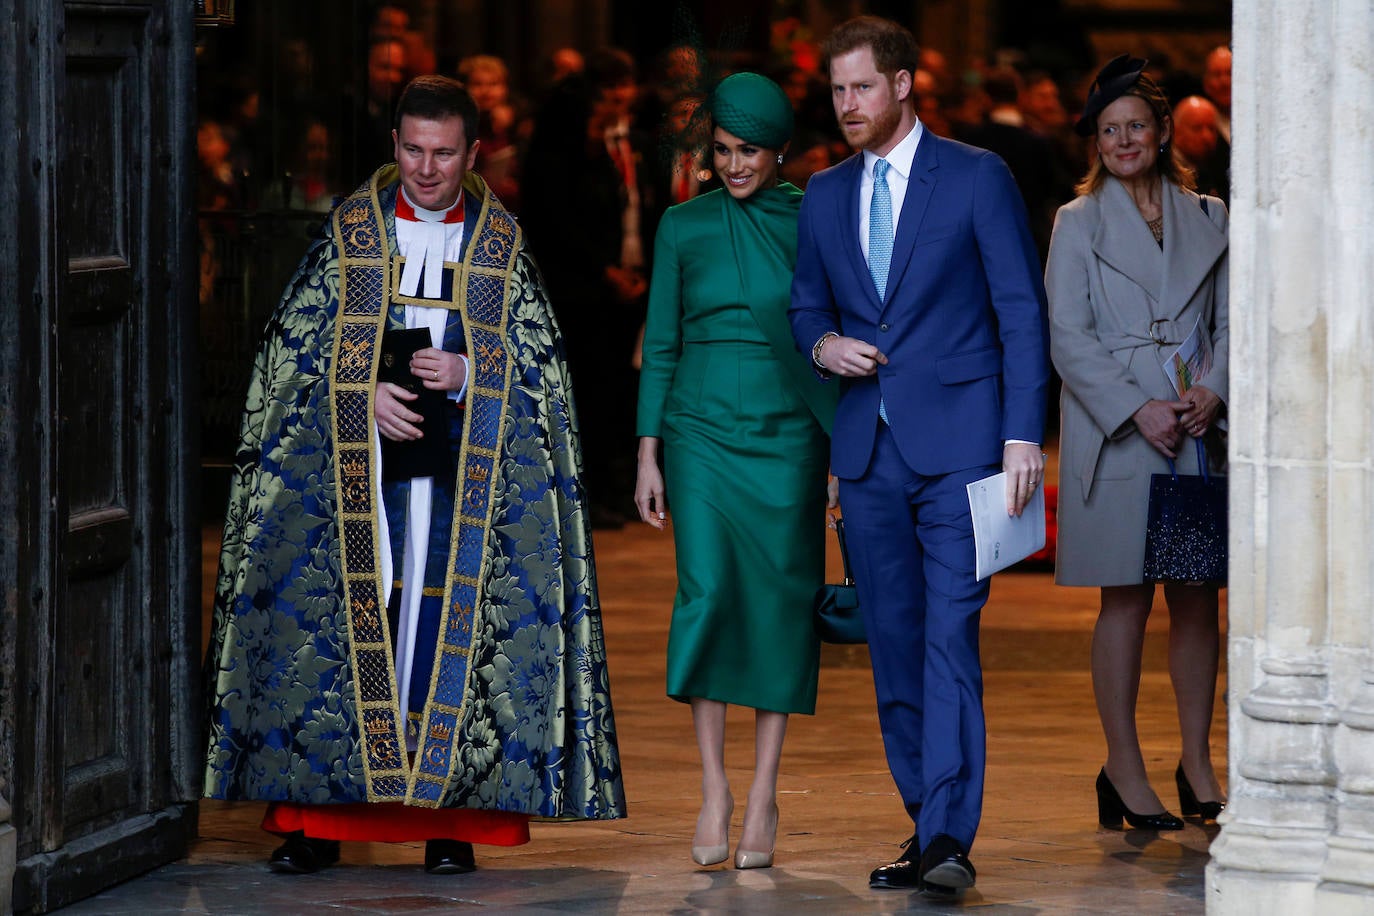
(880, 240)
(880, 228)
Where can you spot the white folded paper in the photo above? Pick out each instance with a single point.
(1001, 539)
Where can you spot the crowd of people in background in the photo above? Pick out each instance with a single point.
(1017, 111)
(633, 139)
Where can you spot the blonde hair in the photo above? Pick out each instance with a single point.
(1169, 165)
(480, 62)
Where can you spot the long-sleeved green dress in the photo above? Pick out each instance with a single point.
(744, 422)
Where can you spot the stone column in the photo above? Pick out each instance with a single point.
(1298, 836)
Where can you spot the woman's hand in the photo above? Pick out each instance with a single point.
(439, 370)
(1203, 406)
(649, 485)
(1158, 423)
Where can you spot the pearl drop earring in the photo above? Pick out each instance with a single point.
(779, 158)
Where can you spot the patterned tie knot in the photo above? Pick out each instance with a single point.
(880, 170)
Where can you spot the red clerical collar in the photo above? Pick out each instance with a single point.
(404, 210)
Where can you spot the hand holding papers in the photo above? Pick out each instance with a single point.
(1187, 367)
(1001, 539)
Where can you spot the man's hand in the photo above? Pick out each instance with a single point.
(439, 370)
(850, 357)
(1024, 464)
(1158, 423)
(1203, 406)
(394, 419)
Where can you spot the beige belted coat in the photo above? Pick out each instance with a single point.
(1118, 306)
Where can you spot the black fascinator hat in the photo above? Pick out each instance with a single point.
(1120, 74)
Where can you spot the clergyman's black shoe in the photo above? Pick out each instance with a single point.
(301, 855)
(945, 863)
(449, 857)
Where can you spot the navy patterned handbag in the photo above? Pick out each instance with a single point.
(1185, 535)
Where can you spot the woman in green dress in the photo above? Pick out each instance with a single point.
(743, 421)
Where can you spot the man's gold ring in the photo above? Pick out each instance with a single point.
(436, 374)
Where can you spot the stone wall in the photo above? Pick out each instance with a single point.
(1299, 833)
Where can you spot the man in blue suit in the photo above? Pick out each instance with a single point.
(918, 284)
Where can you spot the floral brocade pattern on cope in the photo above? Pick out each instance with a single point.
(537, 733)
(539, 716)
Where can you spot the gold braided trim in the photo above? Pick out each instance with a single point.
(484, 306)
(364, 252)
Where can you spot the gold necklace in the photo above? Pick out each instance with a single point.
(1156, 227)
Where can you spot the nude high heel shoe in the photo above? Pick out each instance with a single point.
(750, 858)
(744, 858)
(714, 855)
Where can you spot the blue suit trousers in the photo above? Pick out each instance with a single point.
(911, 543)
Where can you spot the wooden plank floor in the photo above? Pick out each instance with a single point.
(1039, 849)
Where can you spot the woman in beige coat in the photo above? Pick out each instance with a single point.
(1135, 262)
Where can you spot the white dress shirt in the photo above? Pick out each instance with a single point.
(899, 160)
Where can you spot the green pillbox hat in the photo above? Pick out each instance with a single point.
(753, 108)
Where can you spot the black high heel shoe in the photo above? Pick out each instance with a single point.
(1111, 809)
(1187, 799)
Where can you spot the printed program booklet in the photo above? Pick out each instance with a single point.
(1001, 539)
(1190, 362)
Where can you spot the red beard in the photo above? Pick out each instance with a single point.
(874, 132)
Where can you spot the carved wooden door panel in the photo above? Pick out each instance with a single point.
(106, 762)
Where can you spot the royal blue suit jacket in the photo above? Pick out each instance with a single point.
(963, 323)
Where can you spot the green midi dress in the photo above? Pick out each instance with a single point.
(744, 422)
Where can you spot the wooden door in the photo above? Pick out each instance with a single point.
(106, 755)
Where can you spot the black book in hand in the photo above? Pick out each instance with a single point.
(428, 456)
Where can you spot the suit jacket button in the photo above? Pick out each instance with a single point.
(882, 327)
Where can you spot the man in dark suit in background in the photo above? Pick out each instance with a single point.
(1028, 155)
(918, 283)
(1197, 137)
(591, 205)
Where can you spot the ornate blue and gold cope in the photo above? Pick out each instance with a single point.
(301, 666)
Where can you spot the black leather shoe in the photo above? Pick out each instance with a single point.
(1188, 800)
(300, 855)
(931, 889)
(903, 874)
(945, 863)
(1111, 809)
(449, 857)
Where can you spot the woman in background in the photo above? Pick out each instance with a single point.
(1136, 262)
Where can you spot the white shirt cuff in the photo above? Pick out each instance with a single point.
(467, 374)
